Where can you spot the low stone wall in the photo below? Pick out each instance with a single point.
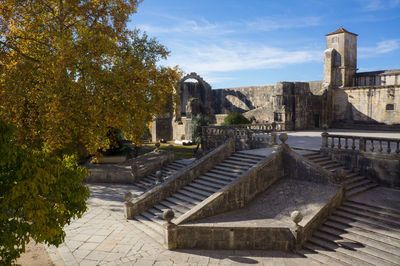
(179, 179)
(382, 168)
(297, 167)
(131, 170)
(197, 237)
(306, 232)
(255, 180)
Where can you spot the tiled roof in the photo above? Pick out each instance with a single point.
(340, 30)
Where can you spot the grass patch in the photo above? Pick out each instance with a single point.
(180, 151)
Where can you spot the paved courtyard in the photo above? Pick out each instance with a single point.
(104, 237)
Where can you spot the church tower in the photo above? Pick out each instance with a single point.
(340, 58)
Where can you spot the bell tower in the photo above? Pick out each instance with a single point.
(340, 58)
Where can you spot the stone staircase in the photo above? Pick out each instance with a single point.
(151, 221)
(357, 234)
(354, 182)
(150, 181)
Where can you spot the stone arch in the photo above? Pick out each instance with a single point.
(194, 75)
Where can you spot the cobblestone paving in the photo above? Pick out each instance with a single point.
(104, 237)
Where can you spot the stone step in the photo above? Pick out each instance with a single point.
(200, 192)
(387, 209)
(376, 235)
(209, 184)
(356, 249)
(156, 228)
(206, 188)
(387, 250)
(354, 179)
(365, 226)
(190, 194)
(342, 254)
(228, 169)
(325, 260)
(239, 163)
(220, 177)
(178, 208)
(315, 157)
(152, 217)
(171, 166)
(148, 231)
(328, 163)
(238, 167)
(333, 170)
(351, 175)
(342, 259)
(373, 215)
(182, 200)
(321, 159)
(225, 173)
(333, 166)
(213, 180)
(359, 190)
(312, 154)
(361, 183)
(241, 159)
(256, 156)
(247, 156)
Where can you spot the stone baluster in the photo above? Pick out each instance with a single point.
(362, 144)
(346, 146)
(371, 146)
(380, 149)
(353, 145)
(339, 144)
(332, 142)
(397, 147)
(324, 136)
(388, 150)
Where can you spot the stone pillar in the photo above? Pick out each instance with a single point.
(170, 230)
(362, 143)
(324, 136)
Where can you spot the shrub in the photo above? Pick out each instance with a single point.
(234, 118)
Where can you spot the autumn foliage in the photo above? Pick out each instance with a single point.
(71, 69)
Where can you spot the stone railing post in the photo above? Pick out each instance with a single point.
(324, 136)
(170, 234)
(128, 205)
(362, 143)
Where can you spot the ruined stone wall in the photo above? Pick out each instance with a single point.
(378, 78)
(368, 104)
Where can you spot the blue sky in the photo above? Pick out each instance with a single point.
(232, 43)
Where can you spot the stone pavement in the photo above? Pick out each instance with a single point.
(104, 237)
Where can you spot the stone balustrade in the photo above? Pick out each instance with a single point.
(365, 144)
(249, 135)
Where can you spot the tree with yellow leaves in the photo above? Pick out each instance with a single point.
(70, 70)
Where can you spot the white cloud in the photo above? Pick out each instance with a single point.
(382, 47)
(234, 56)
(203, 26)
(375, 5)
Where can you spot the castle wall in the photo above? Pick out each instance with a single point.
(368, 104)
(378, 78)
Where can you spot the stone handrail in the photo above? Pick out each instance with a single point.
(365, 144)
(213, 136)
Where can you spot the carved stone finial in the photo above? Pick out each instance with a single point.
(296, 217)
(325, 127)
(128, 196)
(168, 215)
(283, 137)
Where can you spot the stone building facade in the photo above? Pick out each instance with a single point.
(344, 98)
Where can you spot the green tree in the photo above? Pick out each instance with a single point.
(234, 118)
(70, 70)
(39, 194)
(198, 121)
